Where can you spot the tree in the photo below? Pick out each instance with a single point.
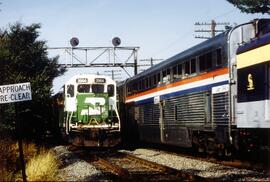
(252, 6)
(24, 58)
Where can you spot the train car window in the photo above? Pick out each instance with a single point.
(193, 65)
(202, 63)
(143, 85)
(158, 77)
(175, 74)
(164, 76)
(151, 81)
(70, 90)
(205, 62)
(155, 79)
(83, 88)
(146, 83)
(136, 87)
(179, 69)
(140, 85)
(218, 57)
(187, 68)
(97, 88)
(110, 90)
(209, 58)
(168, 75)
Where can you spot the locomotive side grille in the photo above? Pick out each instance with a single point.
(156, 113)
(149, 114)
(187, 108)
(220, 108)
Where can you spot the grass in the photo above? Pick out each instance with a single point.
(42, 167)
(41, 163)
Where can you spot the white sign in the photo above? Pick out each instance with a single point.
(220, 89)
(15, 93)
(156, 100)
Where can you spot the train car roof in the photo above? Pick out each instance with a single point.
(218, 41)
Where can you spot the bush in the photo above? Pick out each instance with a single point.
(42, 167)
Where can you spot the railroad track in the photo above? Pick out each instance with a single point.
(118, 165)
(129, 167)
(123, 166)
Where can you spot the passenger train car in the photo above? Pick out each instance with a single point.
(88, 111)
(213, 97)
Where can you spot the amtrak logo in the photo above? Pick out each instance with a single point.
(250, 85)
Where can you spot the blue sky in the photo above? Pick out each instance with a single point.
(161, 28)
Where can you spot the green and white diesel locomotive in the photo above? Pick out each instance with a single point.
(89, 115)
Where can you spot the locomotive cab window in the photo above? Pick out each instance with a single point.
(70, 90)
(83, 88)
(97, 88)
(110, 90)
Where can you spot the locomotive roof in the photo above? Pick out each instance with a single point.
(263, 40)
(218, 41)
(89, 76)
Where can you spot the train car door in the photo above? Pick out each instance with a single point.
(161, 120)
(238, 35)
(160, 104)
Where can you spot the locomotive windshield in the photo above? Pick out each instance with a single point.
(83, 88)
(97, 88)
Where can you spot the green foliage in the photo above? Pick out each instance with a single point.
(252, 6)
(24, 58)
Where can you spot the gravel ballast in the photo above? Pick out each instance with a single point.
(74, 169)
(198, 167)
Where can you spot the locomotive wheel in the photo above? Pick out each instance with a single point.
(210, 146)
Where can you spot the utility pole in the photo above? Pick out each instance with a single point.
(113, 73)
(151, 60)
(212, 30)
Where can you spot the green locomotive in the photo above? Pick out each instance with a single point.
(88, 111)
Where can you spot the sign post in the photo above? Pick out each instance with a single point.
(17, 93)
